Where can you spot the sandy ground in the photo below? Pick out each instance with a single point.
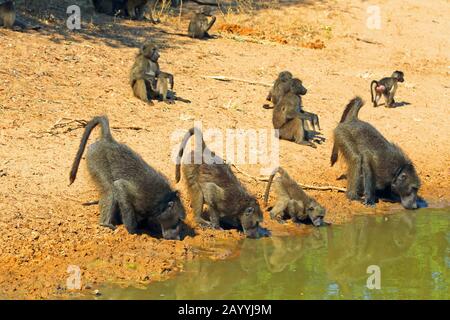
(47, 76)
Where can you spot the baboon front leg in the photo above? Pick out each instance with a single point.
(277, 211)
(121, 191)
(108, 211)
(369, 182)
(209, 26)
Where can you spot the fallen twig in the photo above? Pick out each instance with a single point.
(224, 78)
(305, 186)
(368, 41)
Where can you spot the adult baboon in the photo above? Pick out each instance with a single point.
(135, 9)
(199, 25)
(292, 202)
(131, 191)
(210, 181)
(287, 116)
(386, 87)
(146, 78)
(374, 165)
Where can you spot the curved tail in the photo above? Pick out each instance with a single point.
(105, 134)
(352, 109)
(281, 171)
(350, 113)
(372, 89)
(183, 144)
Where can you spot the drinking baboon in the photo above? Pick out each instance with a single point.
(131, 191)
(210, 181)
(292, 202)
(146, 78)
(374, 165)
(288, 119)
(386, 87)
(199, 25)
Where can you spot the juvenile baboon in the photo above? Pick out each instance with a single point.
(374, 165)
(212, 182)
(288, 119)
(7, 14)
(131, 192)
(280, 87)
(146, 78)
(292, 202)
(199, 25)
(386, 87)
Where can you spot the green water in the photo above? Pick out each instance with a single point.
(412, 250)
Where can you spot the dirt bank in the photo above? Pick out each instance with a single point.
(46, 77)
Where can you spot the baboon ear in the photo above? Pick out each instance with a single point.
(249, 211)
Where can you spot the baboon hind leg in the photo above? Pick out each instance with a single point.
(369, 182)
(293, 130)
(141, 91)
(277, 211)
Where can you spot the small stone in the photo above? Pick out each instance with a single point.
(35, 235)
(97, 293)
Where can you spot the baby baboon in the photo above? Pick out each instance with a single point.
(213, 183)
(280, 87)
(292, 201)
(131, 192)
(146, 78)
(287, 118)
(386, 87)
(7, 14)
(374, 165)
(199, 25)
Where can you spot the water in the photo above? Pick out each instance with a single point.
(411, 249)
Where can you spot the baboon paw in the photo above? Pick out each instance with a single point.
(108, 225)
(369, 203)
(352, 196)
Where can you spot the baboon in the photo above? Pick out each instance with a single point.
(135, 9)
(131, 191)
(213, 183)
(375, 167)
(199, 25)
(287, 118)
(7, 14)
(146, 78)
(386, 87)
(281, 87)
(292, 202)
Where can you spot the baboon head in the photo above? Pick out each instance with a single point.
(150, 51)
(205, 10)
(171, 217)
(284, 76)
(312, 211)
(297, 87)
(406, 184)
(398, 75)
(250, 219)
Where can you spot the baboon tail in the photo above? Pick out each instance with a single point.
(183, 144)
(106, 134)
(281, 171)
(334, 154)
(352, 109)
(374, 82)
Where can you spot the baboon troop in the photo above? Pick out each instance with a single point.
(199, 24)
(375, 166)
(136, 195)
(147, 80)
(386, 87)
(212, 182)
(292, 202)
(131, 191)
